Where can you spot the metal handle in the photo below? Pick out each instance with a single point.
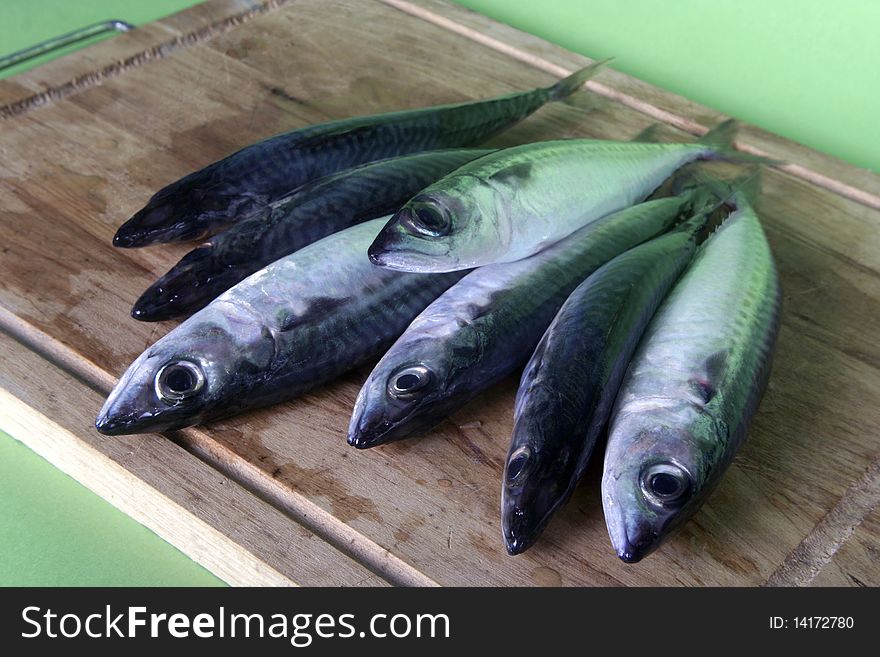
(55, 43)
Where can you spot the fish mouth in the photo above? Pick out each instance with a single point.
(634, 550)
(152, 307)
(112, 424)
(157, 224)
(147, 226)
(631, 539)
(397, 248)
(366, 432)
(521, 529)
(388, 249)
(111, 427)
(168, 300)
(123, 415)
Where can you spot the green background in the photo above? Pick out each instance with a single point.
(805, 69)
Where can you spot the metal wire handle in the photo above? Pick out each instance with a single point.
(55, 43)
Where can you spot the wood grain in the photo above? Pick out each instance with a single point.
(426, 511)
(855, 564)
(210, 518)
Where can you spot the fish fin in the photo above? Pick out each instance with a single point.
(746, 187)
(567, 86)
(716, 364)
(709, 195)
(721, 136)
(705, 384)
(719, 140)
(649, 134)
(707, 189)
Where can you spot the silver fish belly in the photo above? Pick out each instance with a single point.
(485, 327)
(692, 387)
(299, 322)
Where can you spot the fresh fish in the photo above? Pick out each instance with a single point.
(517, 201)
(692, 387)
(246, 181)
(318, 209)
(569, 385)
(484, 327)
(299, 322)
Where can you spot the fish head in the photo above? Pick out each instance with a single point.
(653, 481)
(199, 370)
(450, 226)
(183, 211)
(537, 474)
(415, 386)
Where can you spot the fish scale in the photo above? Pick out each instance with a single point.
(570, 382)
(303, 320)
(318, 209)
(485, 326)
(239, 185)
(513, 203)
(693, 385)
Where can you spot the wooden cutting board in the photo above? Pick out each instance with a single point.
(276, 496)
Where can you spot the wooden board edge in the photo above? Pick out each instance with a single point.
(804, 563)
(163, 47)
(301, 510)
(105, 478)
(165, 488)
(448, 16)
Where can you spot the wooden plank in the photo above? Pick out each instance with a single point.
(108, 59)
(856, 562)
(819, 551)
(427, 511)
(210, 518)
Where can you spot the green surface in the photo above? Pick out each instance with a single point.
(801, 68)
(54, 531)
(804, 69)
(24, 23)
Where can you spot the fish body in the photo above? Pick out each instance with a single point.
(299, 322)
(571, 380)
(692, 386)
(239, 185)
(484, 327)
(517, 201)
(318, 209)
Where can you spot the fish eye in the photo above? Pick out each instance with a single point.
(518, 463)
(409, 382)
(665, 484)
(428, 219)
(179, 380)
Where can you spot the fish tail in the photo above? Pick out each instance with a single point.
(719, 142)
(567, 86)
(649, 134)
(746, 187)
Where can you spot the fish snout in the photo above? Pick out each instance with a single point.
(368, 423)
(520, 528)
(114, 424)
(633, 551)
(143, 227)
(152, 307)
(383, 252)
